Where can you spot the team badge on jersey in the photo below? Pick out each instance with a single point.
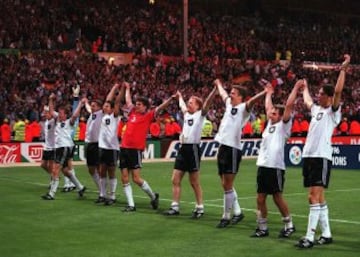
(234, 111)
(319, 116)
(62, 124)
(107, 121)
(93, 116)
(272, 129)
(49, 127)
(190, 122)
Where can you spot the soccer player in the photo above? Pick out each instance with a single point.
(317, 155)
(48, 157)
(271, 164)
(109, 145)
(236, 114)
(63, 147)
(92, 139)
(133, 143)
(188, 156)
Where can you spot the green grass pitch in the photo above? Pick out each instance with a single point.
(68, 226)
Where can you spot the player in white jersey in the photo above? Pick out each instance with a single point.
(271, 165)
(236, 114)
(63, 147)
(49, 136)
(317, 155)
(109, 145)
(189, 155)
(92, 139)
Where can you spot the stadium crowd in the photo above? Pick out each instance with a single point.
(57, 49)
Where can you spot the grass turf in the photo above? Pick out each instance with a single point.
(70, 226)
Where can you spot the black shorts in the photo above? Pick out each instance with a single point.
(92, 154)
(109, 157)
(316, 172)
(188, 158)
(130, 158)
(228, 160)
(63, 155)
(270, 180)
(48, 155)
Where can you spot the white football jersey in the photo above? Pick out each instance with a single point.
(322, 124)
(108, 138)
(271, 153)
(232, 124)
(93, 125)
(191, 131)
(63, 134)
(49, 134)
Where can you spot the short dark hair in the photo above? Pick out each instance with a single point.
(241, 90)
(328, 90)
(112, 104)
(281, 108)
(97, 101)
(144, 100)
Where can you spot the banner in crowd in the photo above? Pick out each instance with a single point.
(117, 58)
(32, 152)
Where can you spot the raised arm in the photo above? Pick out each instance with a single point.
(208, 101)
(340, 82)
(112, 92)
(250, 103)
(164, 104)
(268, 100)
(118, 98)
(87, 106)
(222, 92)
(52, 105)
(306, 95)
(182, 103)
(76, 113)
(291, 100)
(128, 100)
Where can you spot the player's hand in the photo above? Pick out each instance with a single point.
(126, 84)
(217, 82)
(346, 62)
(52, 96)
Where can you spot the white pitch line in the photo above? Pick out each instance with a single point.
(209, 204)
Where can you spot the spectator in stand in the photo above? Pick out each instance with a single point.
(354, 129)
(35, 129)
(19, 129)
(248, 131)
(82, 129)
(5, 131)
(207, 130)
(28, 132)
(344, 127)
(304, 126)
(172, 128)
(157, 128)
(296, 128)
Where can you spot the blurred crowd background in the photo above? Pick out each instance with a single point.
(52, 46)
